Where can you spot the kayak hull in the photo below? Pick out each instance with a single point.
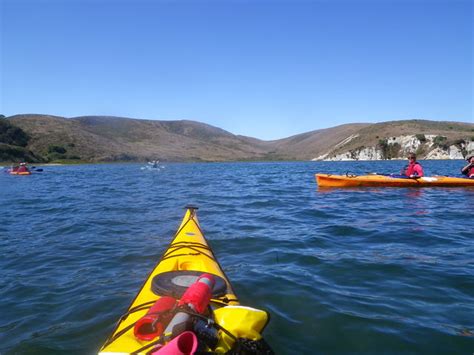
(13, 172)
(328, 180)
(187, 253)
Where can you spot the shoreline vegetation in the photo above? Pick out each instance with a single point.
(40, 139)
(72, 163)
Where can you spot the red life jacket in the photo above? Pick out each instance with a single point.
(470, 172)
(414, 169)
(22, 169)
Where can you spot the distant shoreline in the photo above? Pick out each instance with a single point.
(106, 139)
(6, 164)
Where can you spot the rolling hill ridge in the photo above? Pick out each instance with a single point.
(104, 138)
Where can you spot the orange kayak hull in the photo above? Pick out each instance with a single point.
(20, 173)
(328, 180)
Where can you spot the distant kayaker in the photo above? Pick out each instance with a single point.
(468, 170)
(22, 168)
(154, 164)
(413, 169)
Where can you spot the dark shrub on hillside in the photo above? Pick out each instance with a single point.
(421, 138)
(459, 142)
(440, 141)
(12, 153)
(389, 150)
(56, 149)
(55, 156)
(10, 134)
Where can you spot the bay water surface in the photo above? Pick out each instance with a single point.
(367, 270)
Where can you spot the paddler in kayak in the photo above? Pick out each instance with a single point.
(19, 169)
(413, 169)
(154, 164)
(468, 170)
(23, 168)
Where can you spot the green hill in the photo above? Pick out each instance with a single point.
(103, 138)
(13, 143)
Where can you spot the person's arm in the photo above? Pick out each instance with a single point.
(418, 171)
(404, 170)
(465, 170)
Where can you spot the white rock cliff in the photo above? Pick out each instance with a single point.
(407, 143)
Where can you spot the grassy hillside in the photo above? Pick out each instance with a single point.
(95, 138)
(372, 134)
(102, 138)
(13, 143)
(312, 144)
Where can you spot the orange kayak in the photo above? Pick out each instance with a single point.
(328, 180)
(19, 172)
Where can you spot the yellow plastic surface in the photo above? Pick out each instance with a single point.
(197, 257)
(240, 321)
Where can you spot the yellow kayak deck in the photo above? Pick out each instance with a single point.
(328, 180)
(189, 251)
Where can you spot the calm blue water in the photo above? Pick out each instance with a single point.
(341, 271)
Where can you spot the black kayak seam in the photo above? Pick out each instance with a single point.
(197, 252)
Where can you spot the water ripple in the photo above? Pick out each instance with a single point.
(341, 271)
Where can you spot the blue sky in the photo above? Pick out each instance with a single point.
(266, 69)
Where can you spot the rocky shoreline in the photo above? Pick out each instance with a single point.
(427, 147)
